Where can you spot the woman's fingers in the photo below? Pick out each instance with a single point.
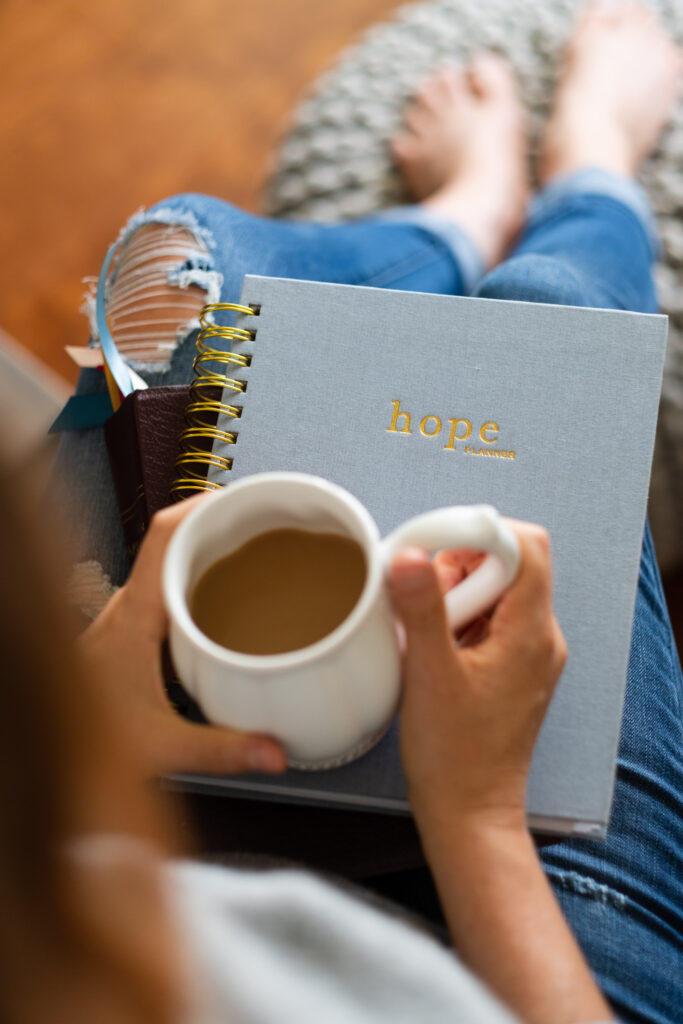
(474, 633)
(417, 597)
(464, 558)
(454, 564)
(147, 569)
(448, 576)
(527, 603)
(219, 750)
(144, 585)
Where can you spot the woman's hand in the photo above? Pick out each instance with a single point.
(122, 648)
(470, 716)
(472, 709)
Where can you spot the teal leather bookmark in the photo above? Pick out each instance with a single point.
(82, 412)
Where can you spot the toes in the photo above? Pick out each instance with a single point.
(616, 13)
(454, 84)
(405, 146)
(418, 118)
(440, 87)
(639, 12)
(604, 14)
(441, 95)
(612, 12)
(397, 147)
(419, 112)
(490, 76)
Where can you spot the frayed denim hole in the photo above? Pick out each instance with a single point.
(163, 276)
(582, 886)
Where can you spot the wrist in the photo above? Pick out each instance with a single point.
(474, 808)
(448, 830)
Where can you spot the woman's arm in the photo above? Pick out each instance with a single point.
(470, 717)
(507, 926)
(469, 720)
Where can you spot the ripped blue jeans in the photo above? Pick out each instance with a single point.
(588, 242)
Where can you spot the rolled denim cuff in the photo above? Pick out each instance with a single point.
(596, 181)
(463, 250)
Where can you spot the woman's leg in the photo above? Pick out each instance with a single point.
(470, 203)
(589, 242)
(191, 249)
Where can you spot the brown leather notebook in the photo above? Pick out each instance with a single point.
(142, 442)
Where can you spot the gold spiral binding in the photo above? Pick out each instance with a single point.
(207, 400)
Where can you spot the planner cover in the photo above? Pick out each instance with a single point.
(413, 401)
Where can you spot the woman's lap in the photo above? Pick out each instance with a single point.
(371, 253)
(623, 898)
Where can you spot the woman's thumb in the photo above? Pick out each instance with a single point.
(417, 598)
(220, 750)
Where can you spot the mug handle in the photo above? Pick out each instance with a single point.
(479, 527)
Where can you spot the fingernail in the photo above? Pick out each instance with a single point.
(266, 759)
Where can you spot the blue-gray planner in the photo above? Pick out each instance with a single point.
(413, 401)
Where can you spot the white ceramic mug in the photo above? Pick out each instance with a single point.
(331, 701)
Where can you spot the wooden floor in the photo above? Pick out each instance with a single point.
(109, 106)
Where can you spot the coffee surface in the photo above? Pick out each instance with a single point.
(282, 590)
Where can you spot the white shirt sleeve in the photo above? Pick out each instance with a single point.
(283, 947)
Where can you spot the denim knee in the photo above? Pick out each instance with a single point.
(162, 272)
(533, 278)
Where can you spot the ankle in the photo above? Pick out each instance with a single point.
(489, 224)
(579, 141)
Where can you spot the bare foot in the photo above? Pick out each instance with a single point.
(462, 152)
(617, 92)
